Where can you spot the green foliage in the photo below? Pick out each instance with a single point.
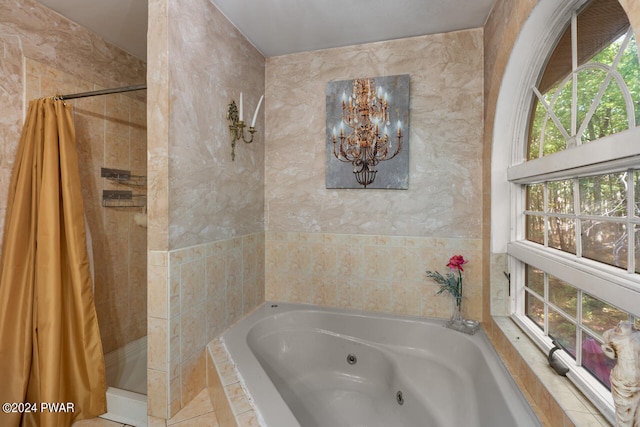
(611, 114)
(594, 206)
(449, 283)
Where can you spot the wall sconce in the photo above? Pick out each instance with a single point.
(237, 124)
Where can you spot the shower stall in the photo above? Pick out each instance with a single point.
(111, 141)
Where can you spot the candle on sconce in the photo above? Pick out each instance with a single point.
(235, 115)
(399, 129)
(255, 115)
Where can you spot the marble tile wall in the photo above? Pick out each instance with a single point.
(444, 198)
(373, 273)
(33, 31)
(206, 220)
(314, 232)
(110, 132)
(158, 109)
(43, 55)
(199, 62)
(212, 197)
(195, 293)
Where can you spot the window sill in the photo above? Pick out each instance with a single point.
(547, 392)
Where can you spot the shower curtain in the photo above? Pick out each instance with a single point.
(51, 361)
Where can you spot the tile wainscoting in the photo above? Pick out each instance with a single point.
(372, 273)
(195, 293)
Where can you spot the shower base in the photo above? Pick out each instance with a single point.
(126, 371)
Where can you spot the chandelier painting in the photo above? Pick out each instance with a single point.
(367, 123)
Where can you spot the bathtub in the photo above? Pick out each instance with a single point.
(322, 367)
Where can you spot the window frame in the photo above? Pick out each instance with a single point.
(613, 285)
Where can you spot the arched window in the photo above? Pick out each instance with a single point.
(574, 184)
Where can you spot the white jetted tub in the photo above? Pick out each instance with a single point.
(321, 367)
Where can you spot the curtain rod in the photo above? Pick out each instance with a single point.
(104, 91)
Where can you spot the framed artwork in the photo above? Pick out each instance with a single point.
(367, 133)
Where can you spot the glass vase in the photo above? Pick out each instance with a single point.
(456, 315)
(458, 322)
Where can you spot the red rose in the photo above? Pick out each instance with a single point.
(456, 262)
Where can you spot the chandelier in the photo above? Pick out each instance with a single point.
(364, 146)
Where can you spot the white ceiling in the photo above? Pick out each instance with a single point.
(121, 22)
(278, 27)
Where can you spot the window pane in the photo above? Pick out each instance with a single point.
(611, 115)
(543, 124)
(601, 28)
(562, 331)
(606, 242)
(595, 361)
(599, 316)
(534, 280)
(554, 141)
(533, 146)
(562, 234)
(560, 101)
(535, 229)
(563, 295)
(534, 309)
(628, 69)
(560, 196)
(559, 64)
(535, 197)
(600, 101)
(604, 195)
(589, 82)
(599, 24)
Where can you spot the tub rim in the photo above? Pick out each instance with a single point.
(277, 412)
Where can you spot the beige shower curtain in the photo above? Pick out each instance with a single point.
(50, 348)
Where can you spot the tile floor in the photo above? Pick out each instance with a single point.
(198, 413)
